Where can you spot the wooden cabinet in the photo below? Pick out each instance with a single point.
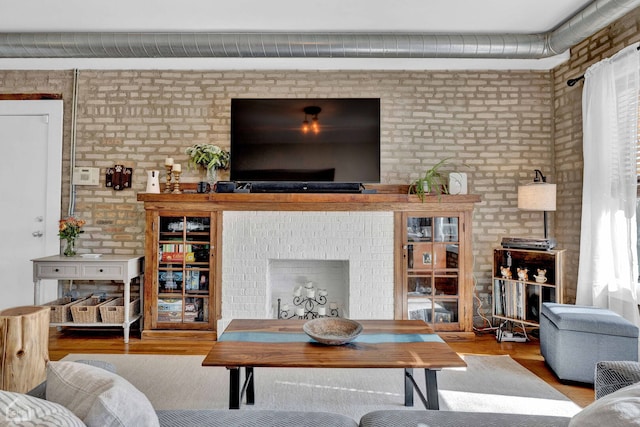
(441, 262)
(434, 278)
(182, 274)
(523, 280)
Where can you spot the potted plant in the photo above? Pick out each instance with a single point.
(433, 182)
(208, 157)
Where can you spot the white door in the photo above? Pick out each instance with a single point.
(30, 181)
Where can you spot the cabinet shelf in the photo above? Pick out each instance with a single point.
(182, 281)
(434, 268)
(517, 298)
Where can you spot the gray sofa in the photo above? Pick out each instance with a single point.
(615, 382)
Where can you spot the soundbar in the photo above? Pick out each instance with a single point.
(305, 187)
(528, 243)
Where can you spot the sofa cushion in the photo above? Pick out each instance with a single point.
(17, 409)
(252, 418)
(431, 418)
(98, 397)
(620, 408)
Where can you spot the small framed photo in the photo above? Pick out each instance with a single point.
(426, 258)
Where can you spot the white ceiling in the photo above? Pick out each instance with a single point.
(428, 16)
(431, 16)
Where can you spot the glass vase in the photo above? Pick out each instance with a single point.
(212, 176)
(70, 248)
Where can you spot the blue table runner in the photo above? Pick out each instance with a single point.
(283, 337)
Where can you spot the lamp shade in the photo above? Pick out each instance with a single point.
(537, 196)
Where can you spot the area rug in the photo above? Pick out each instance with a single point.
(487, 384)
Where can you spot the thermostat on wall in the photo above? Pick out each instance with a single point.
(86, 176)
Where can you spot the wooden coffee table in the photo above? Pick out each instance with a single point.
(407, 344)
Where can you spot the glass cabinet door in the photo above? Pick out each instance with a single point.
(432, 276)
(183, 282)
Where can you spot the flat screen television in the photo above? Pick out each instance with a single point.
(269, 144)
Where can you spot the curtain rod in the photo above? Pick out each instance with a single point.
(575, 80)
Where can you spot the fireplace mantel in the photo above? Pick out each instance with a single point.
(390, 202)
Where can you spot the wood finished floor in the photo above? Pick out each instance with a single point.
(94, 341)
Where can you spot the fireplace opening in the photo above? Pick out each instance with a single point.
(308, 288)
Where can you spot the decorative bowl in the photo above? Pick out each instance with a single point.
(332, 330)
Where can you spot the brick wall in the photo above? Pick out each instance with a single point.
(498, 124)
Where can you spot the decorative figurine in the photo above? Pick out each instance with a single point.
(523, 274)
(506, 272)
(541, 276)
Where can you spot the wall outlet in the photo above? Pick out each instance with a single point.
(86, 176)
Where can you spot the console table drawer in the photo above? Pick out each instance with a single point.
(58, 271)
(109, 271)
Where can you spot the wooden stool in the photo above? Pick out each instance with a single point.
(24, 347)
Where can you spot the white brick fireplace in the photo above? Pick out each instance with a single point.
(252, 241)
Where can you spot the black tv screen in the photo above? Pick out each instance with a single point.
(268, 142)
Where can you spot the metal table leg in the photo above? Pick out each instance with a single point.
(429, 402)
(408, 387)
(432, 389)
(248, 386)
(234, 388)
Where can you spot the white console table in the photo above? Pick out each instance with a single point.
(106, 267)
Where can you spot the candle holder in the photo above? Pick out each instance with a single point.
(176, 184)
(167, 188)
(310, 303)
(333, 309)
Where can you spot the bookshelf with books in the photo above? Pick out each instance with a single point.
(182, 291)
(523, 280)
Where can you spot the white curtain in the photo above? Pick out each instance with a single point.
(608, 269)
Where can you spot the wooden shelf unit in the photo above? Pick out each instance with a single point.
(520, 300)
(434, 278)
(182, 289)
(388, 198)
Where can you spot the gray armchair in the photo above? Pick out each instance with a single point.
(614, 375)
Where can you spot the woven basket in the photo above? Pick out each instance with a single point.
(113, 311)
(88, 310)
(61, 309)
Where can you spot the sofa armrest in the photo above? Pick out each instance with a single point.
(614, 375)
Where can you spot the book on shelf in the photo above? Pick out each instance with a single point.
(192, 280)
(172, 252)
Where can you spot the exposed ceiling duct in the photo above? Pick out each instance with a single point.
(591, 19)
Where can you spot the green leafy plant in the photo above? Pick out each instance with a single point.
(207, 156)
(432, 182)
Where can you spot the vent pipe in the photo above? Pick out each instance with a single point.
(315, 45)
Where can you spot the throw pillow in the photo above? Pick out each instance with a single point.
(17, 409)
(98, 397)
(620, 408)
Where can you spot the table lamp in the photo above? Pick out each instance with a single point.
(538, 196)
